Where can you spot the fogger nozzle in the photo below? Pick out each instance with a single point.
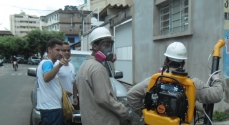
(216, 50)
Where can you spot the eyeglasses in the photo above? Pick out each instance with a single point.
(64, 50)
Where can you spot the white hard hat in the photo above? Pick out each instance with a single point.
(98, 33)
(176, 51)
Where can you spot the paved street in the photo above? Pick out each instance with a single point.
(15, 88)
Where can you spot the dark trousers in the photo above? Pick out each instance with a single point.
(52, 117)
(16, 65)
(69, 122)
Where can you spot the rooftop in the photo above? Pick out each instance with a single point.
(5, 32)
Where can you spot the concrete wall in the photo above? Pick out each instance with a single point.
(207, 27)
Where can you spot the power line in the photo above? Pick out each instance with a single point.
(29, 8)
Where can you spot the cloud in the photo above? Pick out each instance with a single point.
(31, 7)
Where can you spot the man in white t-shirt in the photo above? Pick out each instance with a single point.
(67, 76)
(67, 73)
(49, 93)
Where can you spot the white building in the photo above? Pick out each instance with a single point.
(21, 24)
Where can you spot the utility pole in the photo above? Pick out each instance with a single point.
(82, 15)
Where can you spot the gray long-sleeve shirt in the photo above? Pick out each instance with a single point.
(98, 102)
(204, 93)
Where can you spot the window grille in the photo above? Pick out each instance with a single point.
(174, 16)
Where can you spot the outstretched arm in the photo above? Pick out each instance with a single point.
(206, 94)
(136, 96)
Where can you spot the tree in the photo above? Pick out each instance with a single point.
(10, 45)
(37, 40)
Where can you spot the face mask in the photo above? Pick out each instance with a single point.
(108, 53)
(99, 56)
(104, 55)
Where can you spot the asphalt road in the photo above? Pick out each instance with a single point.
(15, 89)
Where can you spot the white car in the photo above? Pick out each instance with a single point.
(1, 61)
(77, 58)
(33, 60)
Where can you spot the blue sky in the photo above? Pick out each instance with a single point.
(31, 7)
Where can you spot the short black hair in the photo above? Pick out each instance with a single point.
(97, 42)
(66, 43)
(174, 64)
(106, 39)
(52, 43)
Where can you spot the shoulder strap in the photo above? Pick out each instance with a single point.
(60, 83)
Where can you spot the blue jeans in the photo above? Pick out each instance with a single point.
(52, 117)
(69, 122)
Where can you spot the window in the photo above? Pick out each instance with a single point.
(172, 18)
(226, 15)
(77, 60)
(57, 17)
(71, 40)
(33, 57)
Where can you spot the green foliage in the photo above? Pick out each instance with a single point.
(37, 39)
(220, 116)
(10, 45)
(35, 42)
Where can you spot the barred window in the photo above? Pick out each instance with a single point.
(174, 16)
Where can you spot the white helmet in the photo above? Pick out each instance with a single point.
(98, 33)
(176, 51)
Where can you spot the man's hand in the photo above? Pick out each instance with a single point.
(127, 119)
(68, 93)
(75, 100)
(216, 76)
(114, 58)
(64, 61)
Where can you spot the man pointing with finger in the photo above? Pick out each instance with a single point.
(49, 91)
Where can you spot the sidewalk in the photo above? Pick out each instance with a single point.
(221, 123)
(217, 123)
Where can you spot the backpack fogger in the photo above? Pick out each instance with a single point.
(170, 99)
(215, 66)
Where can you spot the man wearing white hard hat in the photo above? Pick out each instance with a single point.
(175, 57)
(98, 102)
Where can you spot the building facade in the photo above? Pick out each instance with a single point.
(21, 24)
(157, 23)
(141, 40)
(68, 21)
(101, 4)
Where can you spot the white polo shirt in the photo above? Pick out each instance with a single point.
(49, 94)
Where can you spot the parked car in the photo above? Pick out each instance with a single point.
(22, 61)
(33, 60)
(1, 61)
(77, 58)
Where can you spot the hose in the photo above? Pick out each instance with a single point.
(212, 75)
